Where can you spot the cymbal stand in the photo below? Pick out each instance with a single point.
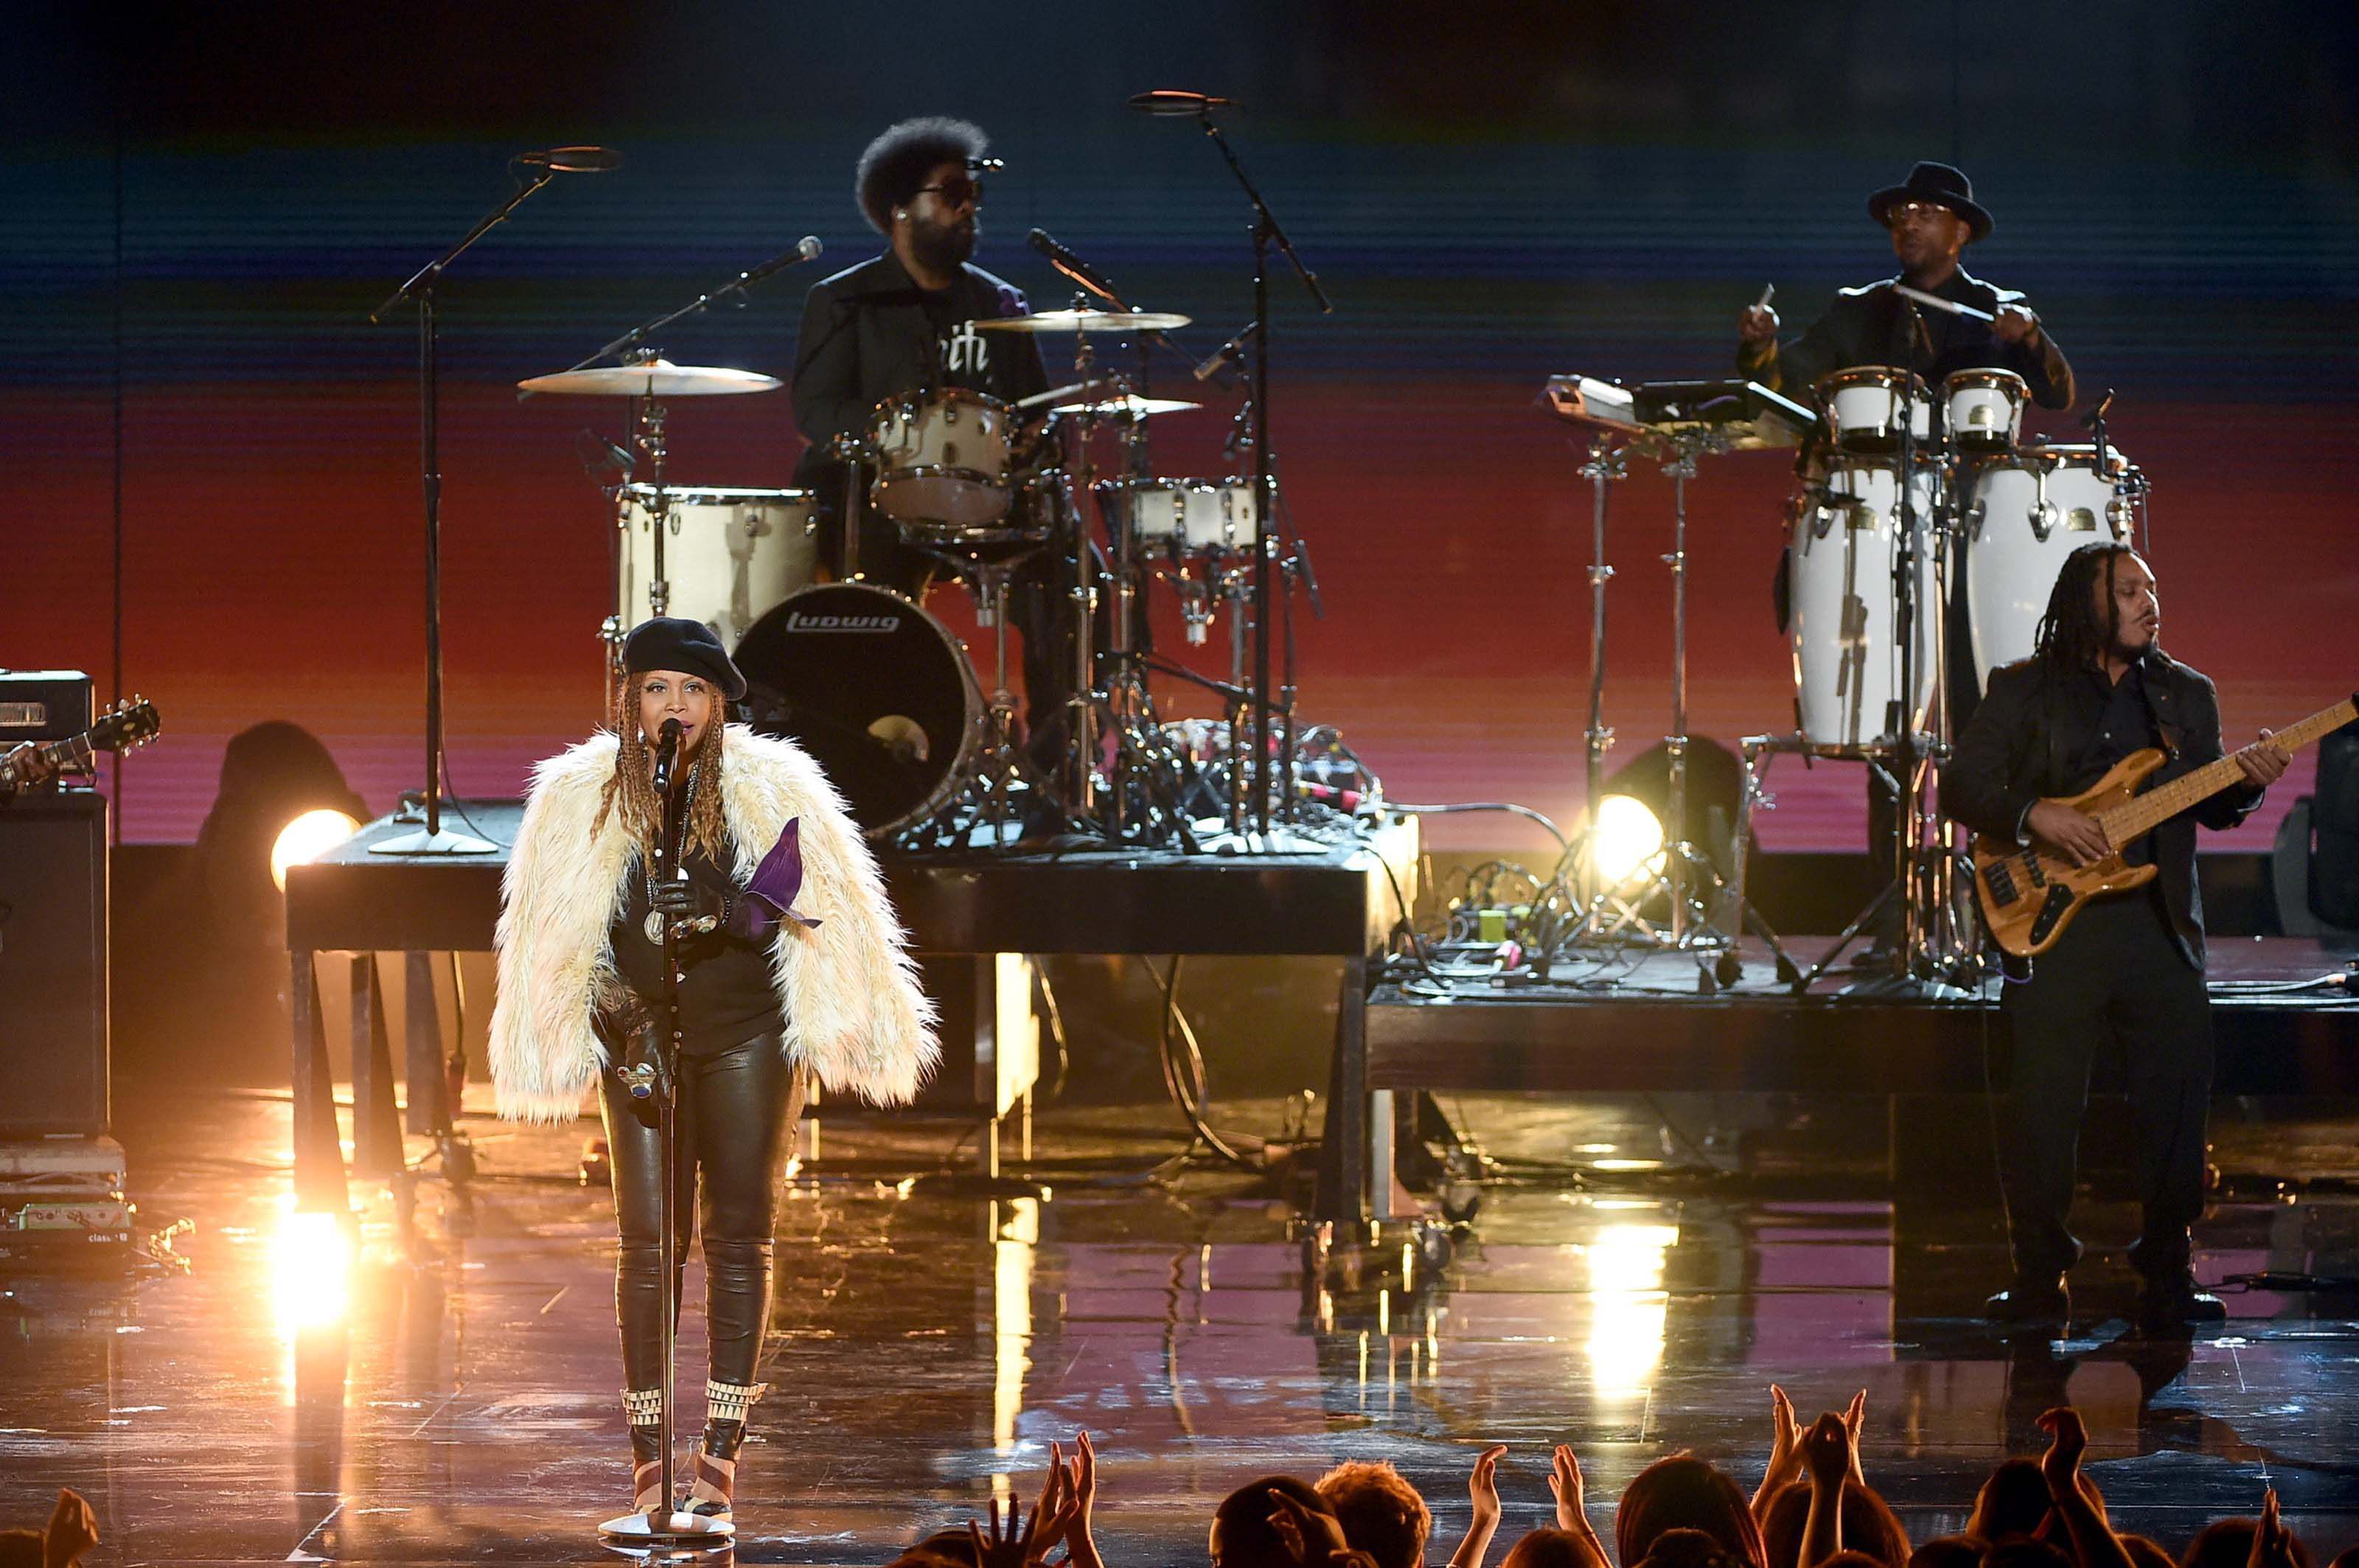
(1081, 700)
(648, 440)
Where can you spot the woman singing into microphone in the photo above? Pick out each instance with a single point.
(789, 972)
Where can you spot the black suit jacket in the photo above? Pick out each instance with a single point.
(2022, 744)
(866, 337)
(1868, 326)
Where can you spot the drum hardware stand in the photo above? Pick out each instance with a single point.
(432, 839)
(1606, 464)
(1686, 870)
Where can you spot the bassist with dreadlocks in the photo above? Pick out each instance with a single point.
(2129, 969)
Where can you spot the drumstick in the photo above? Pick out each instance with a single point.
(1058, 394)
(1768, 292)
(1941, 304)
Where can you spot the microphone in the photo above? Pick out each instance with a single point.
(572, 160)
(1074, 267)
(2090, 420)
(1168, 101)
(1226, 353)
(807, 249)
(667, 750)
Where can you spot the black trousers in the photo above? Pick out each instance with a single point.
(2116, 977)
(737, 1111)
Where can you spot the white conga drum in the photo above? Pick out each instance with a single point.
(1844, 620)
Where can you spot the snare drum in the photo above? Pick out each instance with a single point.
(1189, 516)
(729, 554)
(1984, 409)
(2027, 512)
(1864, 406)
(1847, 649)
(941, 460)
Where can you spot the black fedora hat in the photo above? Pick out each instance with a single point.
(1936, 182)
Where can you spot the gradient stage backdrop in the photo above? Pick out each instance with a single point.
(218, 502)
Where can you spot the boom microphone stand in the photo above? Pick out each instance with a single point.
(1267, 232)
(545, 166)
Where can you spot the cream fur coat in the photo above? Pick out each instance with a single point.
(856, 1018)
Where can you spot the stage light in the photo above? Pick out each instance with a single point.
(307, 838)
(1716, 793)
(311, 1282)
(1629, 840)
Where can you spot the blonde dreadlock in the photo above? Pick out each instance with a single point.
(633, 785)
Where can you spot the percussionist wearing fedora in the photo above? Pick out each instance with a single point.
(792, 970)
(1933, 217)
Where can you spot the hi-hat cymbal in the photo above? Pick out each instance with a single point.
(1086, 322)
(656, 379)
(1127, 407)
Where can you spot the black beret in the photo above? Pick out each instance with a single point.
(668, 642)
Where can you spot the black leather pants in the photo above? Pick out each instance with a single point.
(737, 1111)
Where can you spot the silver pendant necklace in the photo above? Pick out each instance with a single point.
(654, 924)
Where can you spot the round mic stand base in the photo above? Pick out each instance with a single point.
(677, 1526)
(424, 843)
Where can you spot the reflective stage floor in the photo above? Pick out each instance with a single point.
(453, 1397)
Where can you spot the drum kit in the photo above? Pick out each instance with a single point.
(1922, 515)
(928, 750)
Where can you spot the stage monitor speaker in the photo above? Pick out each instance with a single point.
(53, 933)
(2335, 816)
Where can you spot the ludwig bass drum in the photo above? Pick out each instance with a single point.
(878, 694)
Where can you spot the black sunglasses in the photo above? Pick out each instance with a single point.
(956, 192)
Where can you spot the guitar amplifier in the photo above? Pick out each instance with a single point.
(53, 933)
(43, 704)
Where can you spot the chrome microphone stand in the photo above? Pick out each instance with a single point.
(660, 1079)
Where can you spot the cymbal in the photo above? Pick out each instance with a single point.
(1127, 407)
(656, 379)
(1086, 322)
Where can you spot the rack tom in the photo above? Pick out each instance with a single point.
(941, 460)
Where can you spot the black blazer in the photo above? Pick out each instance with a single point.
(1866, 326)
(2021, 744)
(866, 337)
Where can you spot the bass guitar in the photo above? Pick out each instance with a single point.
(2029, 894)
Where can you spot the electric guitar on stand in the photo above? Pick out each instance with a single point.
(2029, 894)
